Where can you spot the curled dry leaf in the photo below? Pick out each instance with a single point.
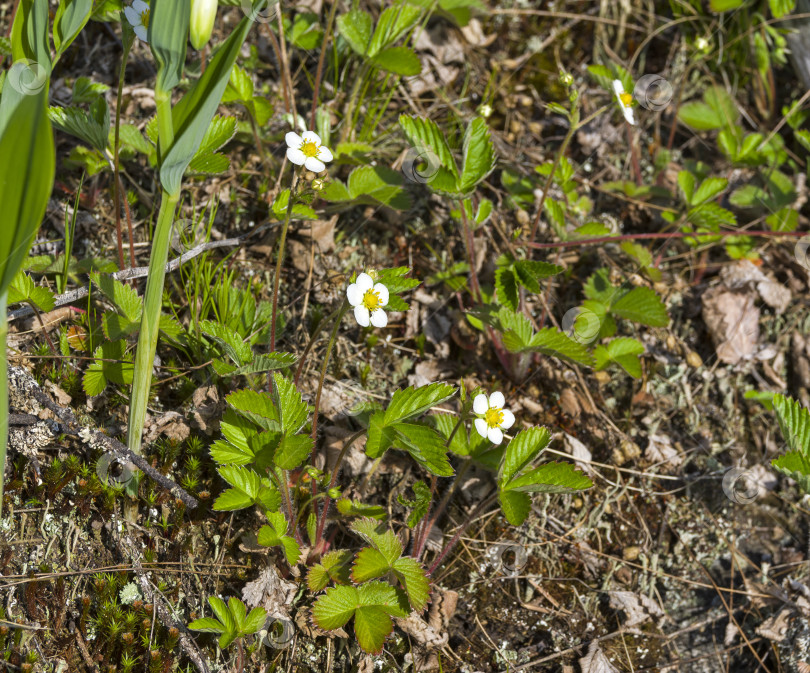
(637, 608)
(596, 661)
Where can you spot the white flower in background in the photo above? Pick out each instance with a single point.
(306, 150)
(138, 16)
(368, 300)
(493, 418)
(625, 101)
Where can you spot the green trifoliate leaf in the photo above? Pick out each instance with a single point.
(624, 351)
(371, 605)
(334, 567)
(275, 534)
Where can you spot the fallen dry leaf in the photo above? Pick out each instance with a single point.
(637, 608)
(733, 322)
(596, 661)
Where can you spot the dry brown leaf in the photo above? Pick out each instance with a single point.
(661, 452)
(637, 608)
(596, 661)
(733, 321)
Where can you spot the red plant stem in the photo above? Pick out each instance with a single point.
(470, 241)
(668, 235)
(454, 541)
(332, 482)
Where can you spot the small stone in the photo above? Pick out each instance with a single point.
(693, 360)
(602, 377)
(631, 553)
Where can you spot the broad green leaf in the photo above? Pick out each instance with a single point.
(426, 446)
(550, 341)
(550, 478)
(220, 609)
(25, 182)
(29, 36)
(242, 478)
(398, 60)
(355, 28)
(23, 289)
(643, 306)
(293, 409)
(256, 406)
(515, 506)
(521, 451)
(392, 24)
(794, 421)
(478, 157)
(371, 606)
(254, 621)
(207, 625)
(71, 17)
(238, 612)
(425, 134)
(334, 567)
(414, 580)
(368, 565)
(193, 113)
(167, 36)
(411, 402)
(709, 189)
(795, 465)
(506, 286)
(232, 499)
(292, 451)
(624, 351)
(687, 181)
(112, 364)
(124, 297)
(530, 272)
(699, 116)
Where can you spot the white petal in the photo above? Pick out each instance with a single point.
(139, 6)
(293, 140)
(495, 435)
(324, 154)
(618, 88)
(296, 156)
(508, 419)
(133, 17)
(379, 318)
(628, 115)
(314, 165)
(361, 315)
(311, 137)
(480, 404)
(481, 426)
(497, 400)
(355, 294)
(382, 292)
(364, 282)
(141, 33)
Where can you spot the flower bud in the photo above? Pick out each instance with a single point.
(203, 13)
(334, 493)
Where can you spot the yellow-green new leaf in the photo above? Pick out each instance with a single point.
(25, 183)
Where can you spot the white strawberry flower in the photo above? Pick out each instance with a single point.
(493, 418)
(306, 150)
(625, 101)
(138, 16)
(368, 301)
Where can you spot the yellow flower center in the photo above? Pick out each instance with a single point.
(309, 148)
(371, 300)
(626, 98)
(494, 417)
(145, 18)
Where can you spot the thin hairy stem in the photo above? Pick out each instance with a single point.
(280, 260)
